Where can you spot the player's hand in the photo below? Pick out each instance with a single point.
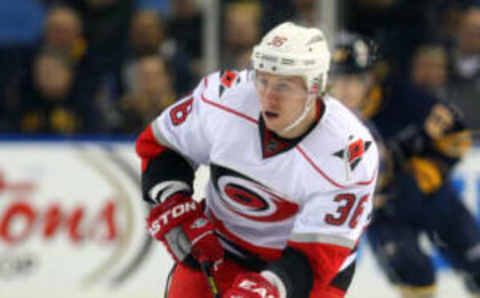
(251, 285)
(427, 174)
(182, 227)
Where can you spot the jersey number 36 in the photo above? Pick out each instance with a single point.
(343, 212)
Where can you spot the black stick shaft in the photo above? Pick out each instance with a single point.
(211, 282)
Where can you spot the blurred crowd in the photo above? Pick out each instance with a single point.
(109, 66)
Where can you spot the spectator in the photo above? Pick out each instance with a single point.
(148, 95)
(305, 12)
(45, 103)
(147, 37)
(106, 25)
(63, 33)
(466, 65)
(398, 26)
(147, 33)
(242, 30)
(429, 69)
(467, 52)
(62, 37)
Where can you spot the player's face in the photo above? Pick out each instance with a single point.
(349, 89)
(282, 99)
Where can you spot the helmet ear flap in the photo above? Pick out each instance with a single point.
(323, 78)
(318, 84)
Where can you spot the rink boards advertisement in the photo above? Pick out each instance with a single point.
(72, 223)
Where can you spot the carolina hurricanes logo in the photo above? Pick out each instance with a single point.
(277, 41)
(250, 199)
(354, 152)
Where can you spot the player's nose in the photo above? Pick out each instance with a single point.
(270, 97)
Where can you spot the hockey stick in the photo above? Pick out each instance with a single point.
(211, 282)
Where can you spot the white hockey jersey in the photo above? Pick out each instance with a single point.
(318, 191)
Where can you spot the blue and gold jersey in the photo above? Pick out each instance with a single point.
(426, 136)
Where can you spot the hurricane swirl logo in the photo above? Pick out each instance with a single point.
(253, 201)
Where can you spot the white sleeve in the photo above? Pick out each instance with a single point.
(339, 215)
(337, 218)
(179, 128)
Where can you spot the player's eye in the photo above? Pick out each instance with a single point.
(262, 82)
(282, 87)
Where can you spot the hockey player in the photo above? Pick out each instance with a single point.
(292, 174)
(425, 138)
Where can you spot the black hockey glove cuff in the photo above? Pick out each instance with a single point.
(167, 174)
(293, 271)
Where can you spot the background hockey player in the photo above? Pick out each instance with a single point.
(292, 177)
(426, 138)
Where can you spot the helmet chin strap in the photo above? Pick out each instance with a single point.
(306, 110)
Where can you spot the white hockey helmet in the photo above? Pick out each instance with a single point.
(290, 49)
(294, 50)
